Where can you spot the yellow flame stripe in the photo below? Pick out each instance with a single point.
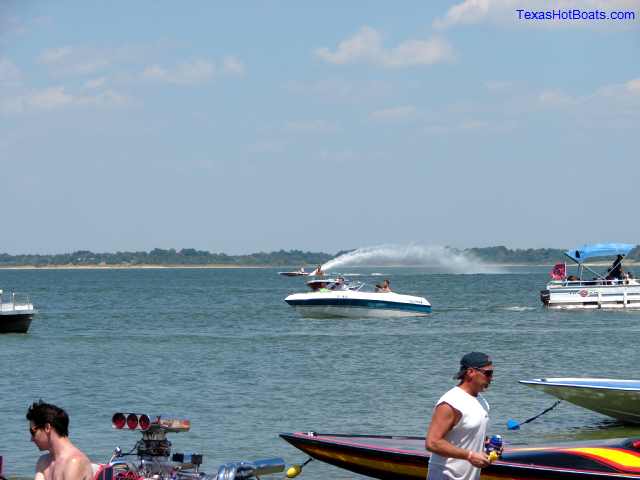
(621, 457)
(363, 461)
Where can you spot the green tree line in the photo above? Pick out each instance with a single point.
(192, 256)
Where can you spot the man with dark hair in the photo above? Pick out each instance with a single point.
(49, 427)
(458, 425)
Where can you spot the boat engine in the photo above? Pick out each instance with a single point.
(149, 458)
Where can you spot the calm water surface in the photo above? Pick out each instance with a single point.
(222, 348)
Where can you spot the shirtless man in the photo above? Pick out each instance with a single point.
(49, 427)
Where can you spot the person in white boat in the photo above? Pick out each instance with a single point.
(456, 434)
(339, 284)
(385, 287)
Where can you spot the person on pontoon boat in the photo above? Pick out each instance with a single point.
(615, 271)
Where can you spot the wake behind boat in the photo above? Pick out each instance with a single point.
(405, 458)
(612, 289)
(341, 298)
(619, 399)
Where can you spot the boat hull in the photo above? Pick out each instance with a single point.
(356, 304)
(15, 323)
(583, 295)
(619, 399)
(405, 458)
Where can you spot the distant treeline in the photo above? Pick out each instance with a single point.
(191, 256)
(158, 256)
(538, 256)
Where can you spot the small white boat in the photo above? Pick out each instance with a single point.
(15, 314)
(619, 399)
(296, 273)
(612, 289)
(334, 298)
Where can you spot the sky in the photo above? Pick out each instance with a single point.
(241, 127)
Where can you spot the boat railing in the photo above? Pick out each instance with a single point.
(14, 301)
(600, 282)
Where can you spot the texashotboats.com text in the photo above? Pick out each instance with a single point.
(574, 14)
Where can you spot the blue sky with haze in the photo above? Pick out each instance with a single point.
(319, 126)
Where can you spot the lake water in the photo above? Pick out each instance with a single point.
(222, 348)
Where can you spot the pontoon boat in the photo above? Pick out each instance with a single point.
(612, 289)
(15, 314)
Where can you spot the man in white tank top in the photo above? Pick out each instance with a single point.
(458, 425)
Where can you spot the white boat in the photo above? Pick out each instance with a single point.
(296, 273)
(612, 289)
(619, 399)
(15, 314)
(348, 300)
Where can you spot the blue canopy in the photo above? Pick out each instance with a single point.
(585, 252)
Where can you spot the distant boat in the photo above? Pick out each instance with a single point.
(612, 289)
(619, 399)
(405, 458)
(296, 273)
(15, 314)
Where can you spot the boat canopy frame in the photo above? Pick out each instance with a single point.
(597, 250)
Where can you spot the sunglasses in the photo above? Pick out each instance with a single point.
(34, 430)
(486, 373)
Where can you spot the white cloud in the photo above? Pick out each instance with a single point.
(233, 66)
(195, 72)
(95, 83)
(69, 60)
(56, 98)
(340, 90)
(633, 86)
(49, 98)
(496, 85)
(10, 75)
(366, 47)
(555, 98)
(505, 12)
(52, 56)
(313, 126)
(394, 113)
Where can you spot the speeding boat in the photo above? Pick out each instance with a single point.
(619, 399)
(15, 314)
(335, 298)
(405, 458)
(611, 289)
(296, 273)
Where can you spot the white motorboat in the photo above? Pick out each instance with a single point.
(15, 314)
(619, 399)
(295, 273)
(341, 298)
(612, 289)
